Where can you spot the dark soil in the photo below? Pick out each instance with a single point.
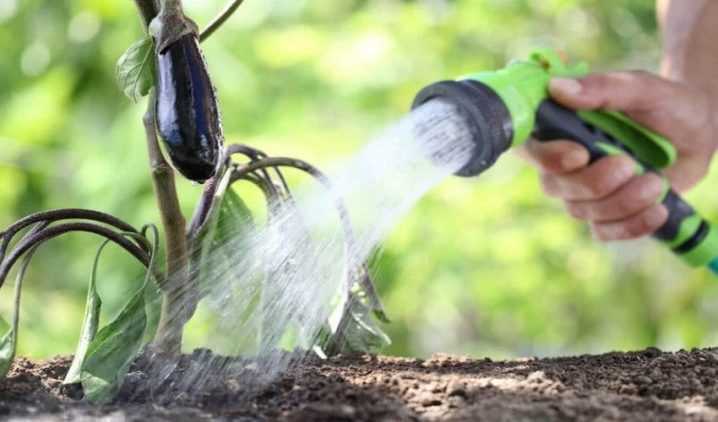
(648, 385)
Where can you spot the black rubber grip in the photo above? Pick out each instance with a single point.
(554, 122)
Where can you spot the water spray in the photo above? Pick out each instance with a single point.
(503, 108)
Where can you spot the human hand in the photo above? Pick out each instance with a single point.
(618, 203)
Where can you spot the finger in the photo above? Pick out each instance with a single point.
(627, 91)
(688, 171)
(594, 182)
(640, 193)
(641, 224)
(557, 157)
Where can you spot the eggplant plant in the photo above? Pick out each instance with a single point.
(167, 67)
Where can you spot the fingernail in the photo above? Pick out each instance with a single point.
(656, 215)
(565, 86)
(652, 189)
(573, 160)
(627, 169)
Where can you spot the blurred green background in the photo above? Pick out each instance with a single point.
(483, 267)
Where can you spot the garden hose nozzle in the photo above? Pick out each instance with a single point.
(504, 108)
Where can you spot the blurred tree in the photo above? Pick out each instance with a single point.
(487, 267)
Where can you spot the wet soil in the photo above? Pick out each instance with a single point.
(647, 385)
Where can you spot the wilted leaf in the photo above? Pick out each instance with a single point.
(362, 334)
(112, 351)
(8, 343)
(356, 331)
(116, 345)
(135, 69)
(232, 219)
(7, 348)
(235, 218)
(90, 322)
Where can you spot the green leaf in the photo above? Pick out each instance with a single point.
(231, 220)
(356, 331)
(90, 322)
(135, 69)
(235, 219)
(363, 334)
(153, 294)
(8, 343)
(111, 352)
(7, 349)
(113, 349)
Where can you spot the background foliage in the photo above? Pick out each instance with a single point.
(484, 267)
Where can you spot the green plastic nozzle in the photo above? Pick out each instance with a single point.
(503, 108)
(523, 86)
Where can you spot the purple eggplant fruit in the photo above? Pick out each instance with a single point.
(186, 110)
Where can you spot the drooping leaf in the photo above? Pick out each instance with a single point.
(113, 349)
(153, 298)
(356, 331)
(153, 309)
(7, 348)
(8, 343)
(116, 345)
(367, 292)
(363, 334)
(90, 322)
(357, 327)
(233, 221)
(4, 325)
(135, 69)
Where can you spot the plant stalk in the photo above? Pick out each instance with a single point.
(175, 288)
(220, 19)
(148, 10)
(179, 290)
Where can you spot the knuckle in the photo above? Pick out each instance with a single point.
(609, 175)
(627, 203)
(601, 186)
(625, 207)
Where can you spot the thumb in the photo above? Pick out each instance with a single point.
(625, 91)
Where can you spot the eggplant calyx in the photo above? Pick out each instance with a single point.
(169, 26)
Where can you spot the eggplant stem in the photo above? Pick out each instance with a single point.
(35, 239)
(67, 214)
(177, 294)
(220, 19)
(148, 10)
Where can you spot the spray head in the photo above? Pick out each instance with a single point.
(487, 119)
(500, 106)
(503, 108)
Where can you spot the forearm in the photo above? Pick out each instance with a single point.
(690, 39)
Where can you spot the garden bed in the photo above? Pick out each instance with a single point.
(647, 385)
